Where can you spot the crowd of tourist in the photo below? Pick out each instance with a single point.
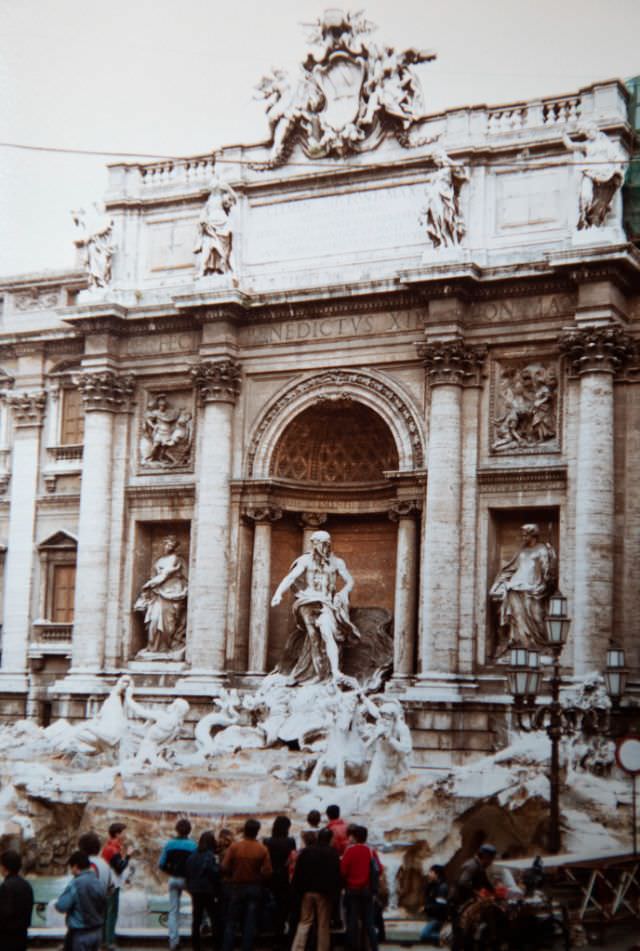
(294, 895)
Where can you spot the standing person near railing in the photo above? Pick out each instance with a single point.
(116, 854)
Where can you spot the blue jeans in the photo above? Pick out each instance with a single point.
(86, 939)
(176, 886)
(244, 905)
(360, 912)
(431, 931)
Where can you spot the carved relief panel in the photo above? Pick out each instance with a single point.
(525, 406)
(165, 437)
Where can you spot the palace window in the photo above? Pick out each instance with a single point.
(71, 417)
(58, 578)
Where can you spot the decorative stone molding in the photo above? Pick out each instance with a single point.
(217, 382)
(264, 513)
(107, 391)
(597, 349)
(28, 408)
(452, 362)
(533, 479)
(35, 299)
(406, 508)
(367, 388)
(313, 520)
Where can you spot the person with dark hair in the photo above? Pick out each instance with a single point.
(339, 828)
(360, 868)
(314, 818)
(84, 902)
(436, 906)
(89, 842)
(117, 856)
(173, 861)
(202, 876)
(16, 903)
(281, 846)
(316, 884)
(472, 879)
(248, 866)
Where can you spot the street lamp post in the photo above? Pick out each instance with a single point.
(524, 677)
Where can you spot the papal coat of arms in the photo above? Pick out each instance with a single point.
(348, 95)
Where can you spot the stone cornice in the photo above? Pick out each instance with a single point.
(106, 391)
(533, 478)
(217, 381)
(452, 362)
(28, 408)
(599, 349)
(405, 508)
(156, 494)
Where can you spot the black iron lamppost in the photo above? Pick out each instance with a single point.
(524, 677)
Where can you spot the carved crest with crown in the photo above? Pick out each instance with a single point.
(348, 95)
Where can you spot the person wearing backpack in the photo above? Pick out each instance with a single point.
(173, 861)
(360, 869)
(202, 877)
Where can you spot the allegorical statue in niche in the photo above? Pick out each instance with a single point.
(441, 215)
(522, 589)
(215, 237)
(526, 407)
(321, 610)
(602, 174)
(97, 246)
(167, 434)
(163, 599)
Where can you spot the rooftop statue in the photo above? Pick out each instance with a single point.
(215, 236)
(602, 174)
(441, 216)
(349, 92)
(96, 244)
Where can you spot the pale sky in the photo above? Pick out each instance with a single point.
(177, 77)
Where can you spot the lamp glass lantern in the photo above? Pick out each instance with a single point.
(615, 674)
(557, 621)
(523, 675)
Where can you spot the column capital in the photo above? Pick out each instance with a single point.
(28, 408)
(405, 508)
(596, 349)
(217, 381)
(264, 513)
(312, 519)
(452, 362)
(106, 391)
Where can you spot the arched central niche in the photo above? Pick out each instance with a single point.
(335, 442)
(336, 447)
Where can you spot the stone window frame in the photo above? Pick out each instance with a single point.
(60, 548)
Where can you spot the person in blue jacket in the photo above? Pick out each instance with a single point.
(173, 861)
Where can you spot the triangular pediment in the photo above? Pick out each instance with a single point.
(60, 539)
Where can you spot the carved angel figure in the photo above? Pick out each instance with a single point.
(441, 216)
(215, 236)
(602, 174)
(167, 434)
(522, 588)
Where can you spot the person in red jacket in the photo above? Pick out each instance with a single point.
(356, 871)
(116, 855)
(338, 827)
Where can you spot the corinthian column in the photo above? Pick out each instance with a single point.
(218, 384)
(263, 518)
(104, 394)
(28, 411)
(449, 366)
(406, 600)
(595, 354)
